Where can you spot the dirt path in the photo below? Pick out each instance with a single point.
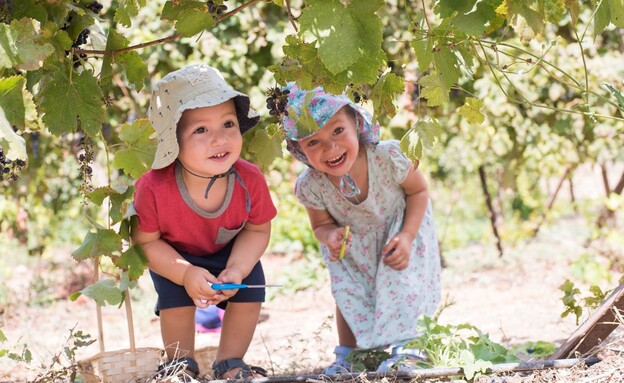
(515, 299)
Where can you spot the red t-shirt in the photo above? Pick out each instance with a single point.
(163, 204)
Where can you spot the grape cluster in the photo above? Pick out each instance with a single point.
(216, 9)
(357, 96)
(6, 10)
(277, 102)
(80, 40)
(8, 168)
(85, 159)
(95, 7)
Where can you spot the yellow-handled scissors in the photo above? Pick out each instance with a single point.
(344, 242)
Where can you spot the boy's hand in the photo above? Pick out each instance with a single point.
(230, 275)
(197, 282)
(396, 253)
(335, 238)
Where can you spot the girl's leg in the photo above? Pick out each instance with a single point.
(177, 327)
(345, 335)
(346, 344)
(239, 324)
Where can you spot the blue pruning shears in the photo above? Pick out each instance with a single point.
(232, 286)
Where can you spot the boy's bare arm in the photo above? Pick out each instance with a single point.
(250, 244)
(163, 259)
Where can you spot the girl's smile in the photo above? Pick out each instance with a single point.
(335, 162)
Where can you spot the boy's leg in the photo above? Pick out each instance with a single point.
(177, 327)
(239, 324)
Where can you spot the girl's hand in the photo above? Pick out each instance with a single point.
(230, 275)
(197, 282)
(396, 253)
(334, 243)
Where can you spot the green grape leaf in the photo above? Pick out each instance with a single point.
(471, 110)
(119, 197)
(423, 48)
(32, 47)
(13, 145)
(477, 22)
(141, 147)
(511, 9)
(446, 8)
(265, 147)
(434, 90)
(602, 17)
(574, 8)
(303, 66)
(616, 7)
(8, 47)
(12, 100)
(127, 10)
(447, 66)
(114, 41)
(422, 135)
(124, 281)
(618, 95)
(102, 292)
(306, 125)
(554, 10)
(134, 261)
(191, 17)
(98, 242)
(69, 105)
(384, 94)
(134, 66)
(129, 221)
(32, 9)
(345, 33)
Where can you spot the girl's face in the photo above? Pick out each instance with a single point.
(334, 148)
(210, 139)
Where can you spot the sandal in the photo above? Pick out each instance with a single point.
(177, 367)
(402, 359)
(246, 371)
(340, 365)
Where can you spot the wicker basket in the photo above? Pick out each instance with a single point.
(120, 366)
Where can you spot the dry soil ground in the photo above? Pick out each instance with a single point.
(515, 299)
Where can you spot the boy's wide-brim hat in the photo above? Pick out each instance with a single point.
(192, 87)
(321, 106)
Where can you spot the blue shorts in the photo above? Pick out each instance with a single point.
(172, 295)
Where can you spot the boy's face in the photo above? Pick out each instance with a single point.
(210, 139)
(334, 148)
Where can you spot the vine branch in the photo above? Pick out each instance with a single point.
(159, 41)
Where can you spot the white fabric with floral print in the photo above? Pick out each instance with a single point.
(380, 304)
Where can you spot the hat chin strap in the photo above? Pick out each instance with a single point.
(216, 177)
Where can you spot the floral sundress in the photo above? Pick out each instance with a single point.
(380, 304)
